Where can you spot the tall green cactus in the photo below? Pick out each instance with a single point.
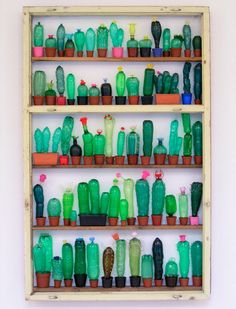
(67, 202)
(121, 142)
(186, 79)
(70, 86)
(133, 140)
(123, 209)
(67, 261)
(39, 258)
(147, 137)
(148, 80)
(170, 203)
(57, 271)
(94, 196)
(197, 42)
(60, 77)
(66, 134)
(83, 198)
(196, 197)
(104, 202)
(156, 32)
(79, 37)
(117, 35)
(197, 138)
(61, 34)
(175, 142)
(158, 194)
(109, 123)
(128, 188)
(93, 260)
(38, 138)
(54, 207)
(39, 83)
(46, 241)
(184, 261)
(90, 39)
(157, 252)
(99, 143)
(56, 139)
(196, 258)
(183, 203)
(134, 256)
(187, 36)
(38, 35)
(87, 138)
(143, 194)
(114, 204)
(102, 37)
(46, 139)
(147, 266)
(80, 258)
(120, 256)
(120, 82)
(198, 81)
(132, 85)
(166, 39)
(39, 200)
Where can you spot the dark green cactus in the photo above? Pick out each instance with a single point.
(61, 34)
(157, 252)
(171, 205)
(196, 257)
(105, 201)
(174, 83)
(158, 80)
(67, 261)
(198, 81)
(197, 138)
(57, 272)
(80, 259)
(186, 79)
(83, 198)
(156, 32)
(66, 134)
(60, 77)
(143, 194)
(148, 80)
(187, 145)
(114, 204)
(187, 36)
(196, 197)
(39, 200)
(197, 42)
(158, 194)
(147, 137)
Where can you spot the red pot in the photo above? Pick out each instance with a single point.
(187, 160)
(145, 160)
(147, 282)
(60, 53)
(109, 160)
(94, 100)
(197, 281)
(93, 283)
(80, 54)
(102, 52)
(50, 100)
(183, 221)
(54, 221)
(143, 220)
(66, 222)
(89, 53)
(132, 159)
(156, 219)
(75, 160)
(69, 52)
(133, 100)
(50, 51)
(119, 160)
(176, 52)
(112, 221)
(197, 52)
(43, 280)
(57, 283)
(183, 281)
(198, 160)
(159, 159)
(38, 100)
(171, 220)
(68, 283)
(197, 102)
(131, 221)
(64, 160)
(123, 222)
(99, 159)
(158, 282)
(132, 51)
(61, 100)
(88, 160)
(173, 160)
(107, 100)
(187, 53)
(41, 221)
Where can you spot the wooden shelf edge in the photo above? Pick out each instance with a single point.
(70, 166)
(117, 227)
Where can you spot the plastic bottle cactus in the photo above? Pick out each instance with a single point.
(83, 198)
(171, 273)
(94, 196)
(66, 134)
(198, 83)
(187, 40)
(156, 32)
(70, 86)
(197, 141)
(183, 206)
(54, 207)
(102, 40)
(99, 143)
(67, 263)
(90, 42)
(170, 203)
(87, 138)
(132, 85)
(145, 46)
(57, 271)
(82, 90)
(108, 262)
(177, 41)
(79, 37)
(196, 199)
(166, 42)
(93, 262)
(39, 200)
(69, 46)
(80, 260)
(60, 77)
(50, 94)
(132, 44)
(133, 140)
(175, 142)
(157, 252)
(134, 261)
(196, 259)
(104, 202)
(147, 138)
(61, 34)
(67, 201)
(39, 84)
(73, 218)
(184, 260)
(197, 46)
(186, 121)
(38, 35)
(158, 198)
(113, 212)
(143, 196)
(148, 80)
(50, 42)
(186, 79)
(45, 240)
(121, 142)
(120, 257)
(117, 35)
(94, 91)
(106, 89)
(160, 152)
(56, 138)
(147, 269)
(109, 123)
(120, 82)
(187, 145)
(39, 259)
(123, 211)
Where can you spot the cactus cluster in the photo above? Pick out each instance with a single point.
(175, 141)
(117, 35)
(166, 83)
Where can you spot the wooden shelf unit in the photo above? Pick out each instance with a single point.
(163, 293)
(116, 166)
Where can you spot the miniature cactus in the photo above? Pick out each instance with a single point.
(196, 197)
(120, 82)
(80, 261)
(54, 207)
(50, 92)
(187, 36)
(166, 40)
(198, 83)
(67, 261)
(184, 261)
(121, 142)
(39, 258)
(147, 137)
(57, 271)
(106, 89)
(160, 148)
(109, 123)
(197, 42)
(83, 198)
(69, 43)
(50, 42)
(38, 35)
(143, 194)
(102, 37)
(98, 143)
(94, 196)
(186, 79)
(39, 200)
(158, 194)
(123, 209)
(183, 203)
(132, 144)
(175, 142)
(39, 83)
(90, 39)
(87, 138)
(67, 201)
(157, 252)
(177, 41)
(104, 202)
(170, 203)
(120, 255)
(134, 256)
(93, 260)
(61, 34)
(147, 266)
(94, 91)
(132, 85)
(145, 42)
(108, 261)
(171, 269)
(45, 240)
(60, 76)
(114, 204)
(70, 86)
(73, 216)
(132, 43)
(156, 32)
(66, 134)
(148, 80)
(196, 258)
(117, 35)
(197, 138)
(82, 89)
(79, 37)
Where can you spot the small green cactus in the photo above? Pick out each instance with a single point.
(171, 269)
(117, 35)
(56, 138)
(73, 216)
(82, 89)
(50, 91)
(196, 258)
(38, 35)
(158, 194)
(57, 272)
(132, 144)
(114, 204)
(170, 203)
(148, 84)
(166, 39)
(120, 82)
(66, 134)
(147, 137)
(147, 266)
(60, 77)
(177, 41)
(121, 142)
(90, 39)
(39, 83)
(132, 85)
(50, 42)
(102, 37)
(54, 207)
(145, 42)
(87, 138)
(70, 86)
(197, 42)
(79, 37)
(83, 198)
(69, 42)
(99, 143)
(187, 36)
(134, 256)
(94, 91)
(67, 201)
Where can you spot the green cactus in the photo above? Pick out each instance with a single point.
(46, 139)
(99, 143)
(183, 203)
(171, 269)
(82, 89)
(145, 42)
(117, 35)
(120, 82)
(186, 121)
(56, 139)
(197, 42)
(128, 189)
(93, 260)
(69, 42)
(177, 41)
(187, 36)
(157, 252)
(156, 32)
(132, 43)
(158, 194)
(120, 257)
(196, 197)
(57, 272)
(83, 198)
(147, 266)
(39, 200)
(183, 249)
(109, 123)
(132, 144)
(38, 138)
(114, 205)
(61, 34)
(198, 81)
(104, 202)
(67, 261)
(132, 85)
(70, 86)
(121, 142)
(87, 138)
(94, 196)
(174, 83)
(170, 203)
(175, 142)
(50, 91)
(45, 240)
(148, 84)
(79, 37)
(197, 138)
(166, 39)
(38, 35)
(134, 256)
(94, 91)
(187, 145)
(39, 83)
(54, 207)
(166, 82)
(196, 258)
(186, 79)
(123, 209)
(102, 37)
(39, 258)
(50, 42)
(160, 148)
(66, 134)
(60, 77)
(67, 201)
(73, 216)
(90, 39)
(143, 194)
(158, 81)
(147, 137)
(80, 260)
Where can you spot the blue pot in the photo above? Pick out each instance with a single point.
(186, 98)
(157, 52)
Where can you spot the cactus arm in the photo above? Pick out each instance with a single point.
(186, 121)
(56, 139)
(178, 145)
(66, 134)
(166, 83)
(83, 198)
(105, 201)
(174, 83)
(46, 139)
(121, 142)
(120, 37)
(94, 196)
(147, 137)
(158, 81)
(166, 39)
(38, 137)
(187, 144)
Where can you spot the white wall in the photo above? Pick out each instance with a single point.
(223, 24)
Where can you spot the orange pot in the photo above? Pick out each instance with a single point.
(173, 160)
(145, 160)
(75, 160)
(93, 283)
(69, 52)
(197, 52)
(102, 52)
(60, 53)
(159, 159)
(167, 98)
(156, 219)
(99, 159)
(57, 283)
(38, 100)
(187, 53)
(88, 160)
(123, 222)
(119, 160)
(68, 283)
(107, 100)
(158, 282)
(198, 160)
(171, 220)
(109, 160)
(72, 223)
(131, 221)
(143, 220)
(50, 51)
(147, 282)
(41, 221)
(197, 102)
(183, 221)
(50, 100)
(187, 160)
(66, 222)
(45, 158)
(43, 280)
(133, 100)
(132, 159)
(112, 221)
(197, 281)
(94, 100)
(80, 54)
(89, 53)
(54, 221)
(183, 281)
(175, 52)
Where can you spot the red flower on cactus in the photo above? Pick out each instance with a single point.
(122, 129)
(116, 236)
(159, 174)
(84, 121)
(99, 131)
(82, 82)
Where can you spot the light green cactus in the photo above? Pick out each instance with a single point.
(117, 35)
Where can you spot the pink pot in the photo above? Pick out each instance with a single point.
(194, 220)
(38, 51)
(117, 52)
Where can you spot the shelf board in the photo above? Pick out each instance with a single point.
(70, 166)
(112, 59)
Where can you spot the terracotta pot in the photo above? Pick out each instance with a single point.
(60, 53)
(197, 281)
(197, 52)
(132, 51)
(187, 53)
(171, 282)
(80, 53)
(50, 51)
(170, 99)
(88, 160)
(175, 52)
(147, 282)
(131, 221)
(38, 100)
(158, 282)
(41, 221)
(112, 221)
(173, 160)
(145, 160)
(197, 102)
(57, 283)
(43, 280)
(54, 221)
(66, 222)
(156, 219)
(93, 283)
(109, 160)
(49, 158)
(133, 100)
(89, 53)
(102, 52)
(75, 160)
(61, 100)
(183, 281)
(99, 159)
(94, 100)
(166, 53)
(183, 221)
(72, 223)
(64, 160)
(143, 220)
(119, 160)
(171, 220)
(107, 100)
(159, 159)
(194, 220)
(187, 160)
(132, 159)
(198, 160)
(123, 222)
(68, 283)
(51, 100)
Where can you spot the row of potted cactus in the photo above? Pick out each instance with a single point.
(84, 261)
(171, 47)
(94, 207)
(163, 84)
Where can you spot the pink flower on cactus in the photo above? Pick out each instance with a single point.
(42, 177)
(118, 175)
(145, 174)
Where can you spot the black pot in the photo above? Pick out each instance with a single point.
(120, 282)
(71, 101)
(107, 282)
(120, 100)
(92, 220)
(171, 282)
(147, 100)
(135, 281)
(80, 280)
(82, 100)
(145, 51)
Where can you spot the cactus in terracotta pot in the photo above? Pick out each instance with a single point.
(132, 85)
(57, 271)
(82, 98)
(132, 146)
(69, 46)
(148, 84)
(94, 95)
(147, 270)
(99, 147)
(143, 196)
(80, 274)
(79, 37)
(109, 123)
(132, 44)
(67, 263)
(119, 159)
(134, 261)
(88, 142)
(176, 46)
(50, 46)
(183, 206)
(171, 207)
(83, 198)
(54, 211)
(196, 259)
(50, 94)
(120, 87)
(70, 86)
(171, 273)
(147, 141)
(93, 262)
(196, 199)
(197, 142)
(61, 34)
(157, 252)
(39, 85)
(73, 218)
(60, 78)
(166, 42)
(184, 260)
(197, 46)
(90, 38)
(187, 40)
(158, 198)
(108, 262)
(67, 201)
(42, 272)
(113, 211)
(102, 40)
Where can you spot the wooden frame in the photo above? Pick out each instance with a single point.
(69, 294)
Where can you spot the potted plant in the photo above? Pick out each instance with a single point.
(145, 46)
(170, 203)
(70, 86)
(99, 148)
(158, 198)
(42, 268)
(50, 46)
(123, 211)
(171, 273)
(106, 92)
(50, 94)
(166, 85)
(187, 145)
(108, 262)
(120, 87)
(120, 256)
(80, 275)
(39, 201)
(79, 38)
(90, 42)
(42, 139)
(196, 259)
(132, 146)
(147, 142)
(187, 95)
(113, 211)
(73, 218)
(67, 202)
(183, 206)
(94, 95)
(197, 46)
(160, 152)
(60, 77)
(157, 253)
(117, 36)
(88, 143)
(176, 46)
(57, 272)
(187, 40)
(132, 85)
(198, 83)
(147, 270)
(134, 261)
(67, 264)
(54, 211)
(196, 199)
(66, 134)
(75, 152)
(166, 42)
(109, 123)
(102, 40)
(148, 84)
(104, 203)
(93, 262)
(175, 143)
(39, 85)
(38, 40)
(69, 46)
(120, 158)
(132, 44)
(82, 98)
(197, 142)
(156, 33)
(184, 261)
(143, 196)
(61, 34)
